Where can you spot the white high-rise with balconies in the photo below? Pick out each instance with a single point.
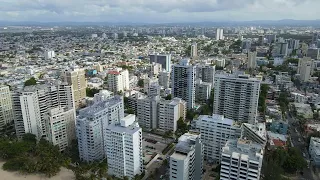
(91, 126)
(118, 80)
(252, 60)
(215, 131)
(169, 112)
(6, 111)
(60, 127)
(236, 97)
(241, 159)
(186, 163)
(219, 34)
(194, 50)
(33, 102)
(183, 82)
(123, 147)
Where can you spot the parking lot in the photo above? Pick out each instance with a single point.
(152, 145)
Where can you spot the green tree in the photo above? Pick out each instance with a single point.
(30, 82)
(141, 83)
(91, 92)
(169, 97)
(130, 111)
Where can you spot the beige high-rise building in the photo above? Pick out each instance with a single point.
(60, 125)
(6, 112)
(169, 112)
(77, 79)
(305, 68)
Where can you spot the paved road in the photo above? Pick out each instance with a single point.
(298, 142)
(156, 137)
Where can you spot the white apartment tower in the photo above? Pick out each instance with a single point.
(183, 82)
(215, 131)
(118, 80)
(6, 111)
(60, 125)
(33, 102)
(240, 160)
(236, 97)
(77, 79)
(186, 163)
(219, 34)
(30, 113)
(252, 60)
(305, 68)
(124, 148)
(194, 50)
(91, 126)
(49, 54)
(169, 112)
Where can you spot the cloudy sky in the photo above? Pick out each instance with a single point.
(157, 10)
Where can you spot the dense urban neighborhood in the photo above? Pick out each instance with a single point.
(160, 102)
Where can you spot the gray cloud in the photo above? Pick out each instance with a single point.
(156, 10)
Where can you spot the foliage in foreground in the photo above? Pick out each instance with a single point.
(30, 156)
(281, 160)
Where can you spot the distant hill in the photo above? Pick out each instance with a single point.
(284, 22)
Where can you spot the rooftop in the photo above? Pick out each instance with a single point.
(244, 149)
(217, 119)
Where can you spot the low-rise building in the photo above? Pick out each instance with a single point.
(314, 151)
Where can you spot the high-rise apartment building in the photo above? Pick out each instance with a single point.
(147, 112)
(6, 111)
(305, 68)
(186, 163)
(118, 80)
(240, 160)
(91, 125)
(77, 79)
(163, 59)
(219, 34)
(236, 97)
(30, 114)
(215, 131)
(183, 82)
(60, 126)
(252, 60)
(203, 91)
(155, 68)
(194, 50)
(33, 102)
(280, 49)
(206, 73)
(49, 54)
(169, 112)
(124, 148)
(164, 79)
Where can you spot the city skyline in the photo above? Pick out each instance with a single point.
(156, 12)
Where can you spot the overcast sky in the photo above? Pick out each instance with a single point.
(157, 11)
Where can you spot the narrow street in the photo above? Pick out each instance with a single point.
(298, 141)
